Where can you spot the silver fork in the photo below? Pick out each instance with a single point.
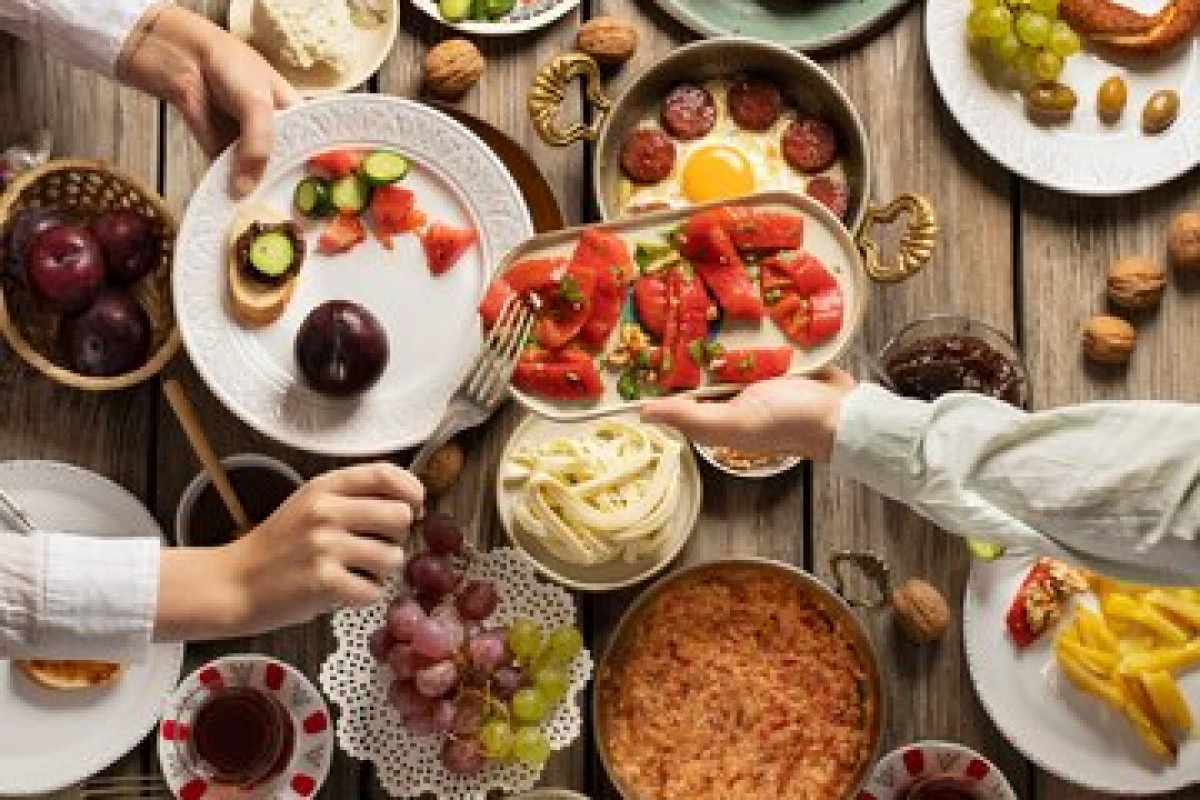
(485, 386)
(114, 787)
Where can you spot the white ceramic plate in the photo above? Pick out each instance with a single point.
(599, 577)
(371, 48)
(1082, 156)
(527, 15)
(431, 322)
(51, 739)
(1063, 730)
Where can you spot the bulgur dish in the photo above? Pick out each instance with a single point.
(737, 684)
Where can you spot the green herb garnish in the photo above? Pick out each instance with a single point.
(568, 287)
(703, 351)
(772, 296)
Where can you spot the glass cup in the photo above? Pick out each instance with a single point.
(942, 787)
(238, 735)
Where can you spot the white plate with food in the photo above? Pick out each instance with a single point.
(334, 309)
(601, 505)
(1069, 732)
(53, 737)
(1082, 154)
(320, 46)
(496, 17)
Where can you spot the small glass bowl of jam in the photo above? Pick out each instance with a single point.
(944, 353)
(262, 484)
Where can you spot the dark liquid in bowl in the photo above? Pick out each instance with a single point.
(261, 491)
(929, 368)
(243, 736)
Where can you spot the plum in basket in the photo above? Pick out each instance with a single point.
(22, 228)
(111, 337)
(130, 243)
(341, 348)
(65, 267)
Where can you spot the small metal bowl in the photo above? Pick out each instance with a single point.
(835, 605)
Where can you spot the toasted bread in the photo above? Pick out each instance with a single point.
(70, 675)
(254, 303)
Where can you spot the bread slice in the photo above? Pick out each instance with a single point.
(255, 303)
(70, 675)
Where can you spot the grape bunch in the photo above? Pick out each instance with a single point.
(486, 689)
(1022, 38)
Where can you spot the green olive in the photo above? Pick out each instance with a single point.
(1050, 101)
(1110, 99)
(1161, 109)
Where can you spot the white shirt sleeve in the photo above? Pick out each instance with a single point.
(64, 596)
(1114, 487)
(88, 33)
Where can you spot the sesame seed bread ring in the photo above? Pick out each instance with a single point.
(1111, 24)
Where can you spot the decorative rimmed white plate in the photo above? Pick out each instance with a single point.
(312, 751)
(615, 574)
(51, 739)
(1082, 156)
(1060, 728)
(431, 322)
(905, 765)
(370, 50)
(527, 15)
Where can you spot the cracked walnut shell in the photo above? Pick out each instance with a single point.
(920, 611)
(1108, 339)
(1136, 283)
(607, 39)
(443, 469)
(1183, 242)
(452, 67)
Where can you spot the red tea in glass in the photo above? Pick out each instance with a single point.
(241, 736)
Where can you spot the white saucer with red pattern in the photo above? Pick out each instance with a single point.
(902, 767)
(311, 754)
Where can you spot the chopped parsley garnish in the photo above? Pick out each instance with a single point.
(568, 287)
(772, 296)
(703, 351)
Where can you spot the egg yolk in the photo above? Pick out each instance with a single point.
(717, 172)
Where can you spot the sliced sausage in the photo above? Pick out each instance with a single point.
(688, 111)
(810, 145)
(755, 103)
(648, 155)
(829, 193)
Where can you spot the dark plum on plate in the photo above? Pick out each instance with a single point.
(64, 266)
(341, 348)
(20, 231)
(111, 337)
(130, 243)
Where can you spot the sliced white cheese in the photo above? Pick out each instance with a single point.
(305, 33)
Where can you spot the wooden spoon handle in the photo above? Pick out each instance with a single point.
(186, 414)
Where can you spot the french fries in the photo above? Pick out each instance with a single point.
(1129, 653)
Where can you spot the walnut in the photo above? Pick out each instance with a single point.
(920, 611)
(1136, 283)
(1108, 339)
(452, 67)
(443, 468)
(1183, 242)
(607, 39)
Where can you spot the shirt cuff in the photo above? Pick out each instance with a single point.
(878, 434)
(89, 34)
(98, 597)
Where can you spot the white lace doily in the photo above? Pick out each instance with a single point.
(407, 763)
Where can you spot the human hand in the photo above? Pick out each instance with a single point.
(332, 543)
(792, 415)
(218, 83)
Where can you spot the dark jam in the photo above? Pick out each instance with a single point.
(261, 490)
(929, 368)
(243, 736)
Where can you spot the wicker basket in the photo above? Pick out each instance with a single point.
(87, 188)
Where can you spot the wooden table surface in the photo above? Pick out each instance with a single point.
(1027, 260)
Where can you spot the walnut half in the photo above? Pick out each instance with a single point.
(1136, 283)
(1108, 339)
(920, 611)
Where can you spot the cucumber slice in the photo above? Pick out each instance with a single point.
(350, 194)
(384, 167)
(498, 8)
(455, 10)
(272, 253)
(985, 551)
(312, 197)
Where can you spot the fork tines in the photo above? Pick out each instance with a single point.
(116, 786)
(489, 379)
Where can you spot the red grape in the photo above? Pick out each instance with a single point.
(470, 713)
(487, 651)
(463, 756)
(506, 681)
(405, 698)
(438, 637)
(438, 680)
(430, 575)
(442, 534)
(477, 600)
(402, 660)
(403, 618)
(380, 642)
(444, 716)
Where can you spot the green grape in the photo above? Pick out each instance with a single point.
(984, 5)
(496, 736)
(1047, 7)
(530, 747)
(562, 645)
(530, 705)
(1023, 66)
(551, 682)
(1047, 66)
(525, 639)
(1063, 40)
(1007, 48)
(976, 24)
(998, 22)
(1033, 29)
